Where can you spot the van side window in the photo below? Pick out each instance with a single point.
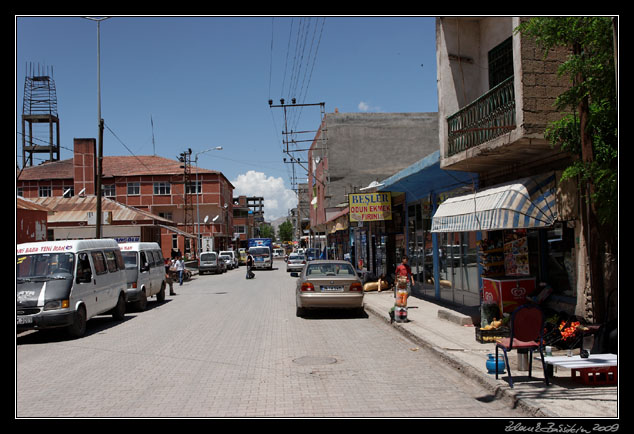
(120, 263)
(150, 257)
(100, 263)
(158, 255)
(144, 264)
(111, 261)
(84, 274)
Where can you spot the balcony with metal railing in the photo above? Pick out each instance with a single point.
(486, 118)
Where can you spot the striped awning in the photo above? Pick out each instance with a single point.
(525, 203)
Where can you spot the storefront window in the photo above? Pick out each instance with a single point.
(561, 259)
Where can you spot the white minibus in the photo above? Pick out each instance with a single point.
(66, 283)
(145, 273)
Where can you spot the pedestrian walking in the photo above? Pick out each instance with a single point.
(403, 276)
(180, 269)
(169, 275)
(250, 274)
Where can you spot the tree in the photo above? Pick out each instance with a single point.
(267, 231)
(589, 130)
(286, 231)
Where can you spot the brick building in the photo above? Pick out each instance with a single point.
(149, 183)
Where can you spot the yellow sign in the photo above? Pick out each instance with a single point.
(366, 207)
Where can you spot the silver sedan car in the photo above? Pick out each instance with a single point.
(295, 262)
(328, 284)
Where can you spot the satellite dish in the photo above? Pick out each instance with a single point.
(82, 191)
(206, 218)
(215, 218)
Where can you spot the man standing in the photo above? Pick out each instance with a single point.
(180, 269)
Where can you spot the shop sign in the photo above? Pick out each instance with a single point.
(366, 207)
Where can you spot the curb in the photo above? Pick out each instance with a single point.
(499, 391)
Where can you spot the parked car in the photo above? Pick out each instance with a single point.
(66, 283)
(228, 261)
(328, 284)
(311, 254)
(233, 256)
(295, 262)
(208, 263)
(242, 256)
(145, 273)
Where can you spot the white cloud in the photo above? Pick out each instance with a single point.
(366, 107)
(277, 198)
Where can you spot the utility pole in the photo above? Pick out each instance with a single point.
(291, 147)
(185, 158)
(100, 122)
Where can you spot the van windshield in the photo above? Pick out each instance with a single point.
(259, 251)
(129, 259)
(45, 264)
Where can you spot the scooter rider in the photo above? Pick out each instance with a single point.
(250, 274)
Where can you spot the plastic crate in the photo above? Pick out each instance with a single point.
(490, 336)
(595, 376)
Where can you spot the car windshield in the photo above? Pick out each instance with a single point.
(45, 265)
(208, 257)
(259, 251)
(333, 269)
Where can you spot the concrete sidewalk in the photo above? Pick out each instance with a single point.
(451, 335)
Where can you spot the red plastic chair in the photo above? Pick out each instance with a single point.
(527, 334)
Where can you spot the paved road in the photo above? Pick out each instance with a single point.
(230, 347)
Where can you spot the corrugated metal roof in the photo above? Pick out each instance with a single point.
(26, 204)
(75, 209)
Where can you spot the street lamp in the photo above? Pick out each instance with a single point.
(100, 123)
(198, 240)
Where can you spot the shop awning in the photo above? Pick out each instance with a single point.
(525, 203)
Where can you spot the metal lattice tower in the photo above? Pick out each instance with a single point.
(39, 107)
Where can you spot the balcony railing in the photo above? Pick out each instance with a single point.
(489, 116)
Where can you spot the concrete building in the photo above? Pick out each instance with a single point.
(496, 97)
(350, 152)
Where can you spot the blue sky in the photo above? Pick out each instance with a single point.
(206, 82)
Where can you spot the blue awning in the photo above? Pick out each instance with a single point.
(425, 176)
(525, 203)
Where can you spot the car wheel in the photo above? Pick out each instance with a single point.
(141, 304)
(160, 297)
(299, 311)
(118, 313)
(78, 328)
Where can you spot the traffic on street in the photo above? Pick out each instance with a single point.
(226, 346)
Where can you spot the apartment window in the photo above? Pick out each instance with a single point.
(134, 188)
(20, 192)
(166, 215)
(109, 190)
(45, 191)
(500, 63)
(240, 229)
(194, 187)
(162, 188)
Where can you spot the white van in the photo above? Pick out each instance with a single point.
(232, 254)
(66, 283)
(145, 273)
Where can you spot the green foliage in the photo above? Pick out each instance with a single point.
(590, 67)
(286, 231)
